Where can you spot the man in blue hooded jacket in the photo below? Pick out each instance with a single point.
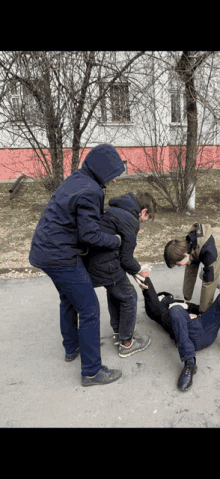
(70, 225)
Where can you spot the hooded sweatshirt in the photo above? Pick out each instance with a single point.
(107, 267)
(71, 220)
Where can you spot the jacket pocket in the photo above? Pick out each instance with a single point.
(113, 265)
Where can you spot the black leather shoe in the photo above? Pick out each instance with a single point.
(186, 377)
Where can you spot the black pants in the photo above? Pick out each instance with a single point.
(122, 306)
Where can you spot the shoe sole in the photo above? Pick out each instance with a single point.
(136, 350)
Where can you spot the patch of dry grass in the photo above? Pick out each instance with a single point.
(19, 217)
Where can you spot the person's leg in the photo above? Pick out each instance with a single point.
(76, 289)
(68, 325)
(124, 297)
(203, 331)
(210, 322)
(122, 305)
(184, 328)
(114, 309)
(208, 289)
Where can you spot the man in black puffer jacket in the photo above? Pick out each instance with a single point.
(109, 268)
(69, 225)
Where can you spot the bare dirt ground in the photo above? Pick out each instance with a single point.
(20, 215)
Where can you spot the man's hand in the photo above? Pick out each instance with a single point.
(145, 272)
(141, 275)
(140, 280)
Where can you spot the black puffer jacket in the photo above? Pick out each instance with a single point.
(71, 220)
(108, 267)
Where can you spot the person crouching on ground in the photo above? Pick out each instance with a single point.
(190, 330)
(108, 268)
(201, 245)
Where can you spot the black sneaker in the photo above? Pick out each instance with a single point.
(71, 357)
(104, 376)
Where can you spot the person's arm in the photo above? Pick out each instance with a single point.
(88, 224)
(156, 310)
(127, 260)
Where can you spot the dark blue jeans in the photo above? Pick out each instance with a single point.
(122, 306)
(195, 334)
(77, 296)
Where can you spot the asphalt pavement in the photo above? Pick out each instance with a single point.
(38, 389)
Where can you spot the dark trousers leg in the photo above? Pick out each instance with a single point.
(210, 321)
(68, 323)
(78, 296)
(195, 334)
(122, 306)
(182, 326)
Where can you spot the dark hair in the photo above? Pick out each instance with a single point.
(146, 201)
(174, 251)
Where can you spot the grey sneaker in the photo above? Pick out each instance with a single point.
(137, 344)
(104, 376)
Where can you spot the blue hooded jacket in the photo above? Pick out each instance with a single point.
(108, 267)
(71, 220)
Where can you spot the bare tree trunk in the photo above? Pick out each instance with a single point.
(54, 135)
(75, 151)
(79, 112)
(186, 71)
(191, 144)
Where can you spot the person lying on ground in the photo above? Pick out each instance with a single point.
(190, 330)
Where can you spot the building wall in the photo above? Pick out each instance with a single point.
(15, 162)
(151, 123)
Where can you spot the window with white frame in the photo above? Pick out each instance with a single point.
(24, 105)
(32, 109)
(14, 99)
(178, 107)
(114, 105)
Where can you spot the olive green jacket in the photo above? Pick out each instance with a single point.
(204, 244)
